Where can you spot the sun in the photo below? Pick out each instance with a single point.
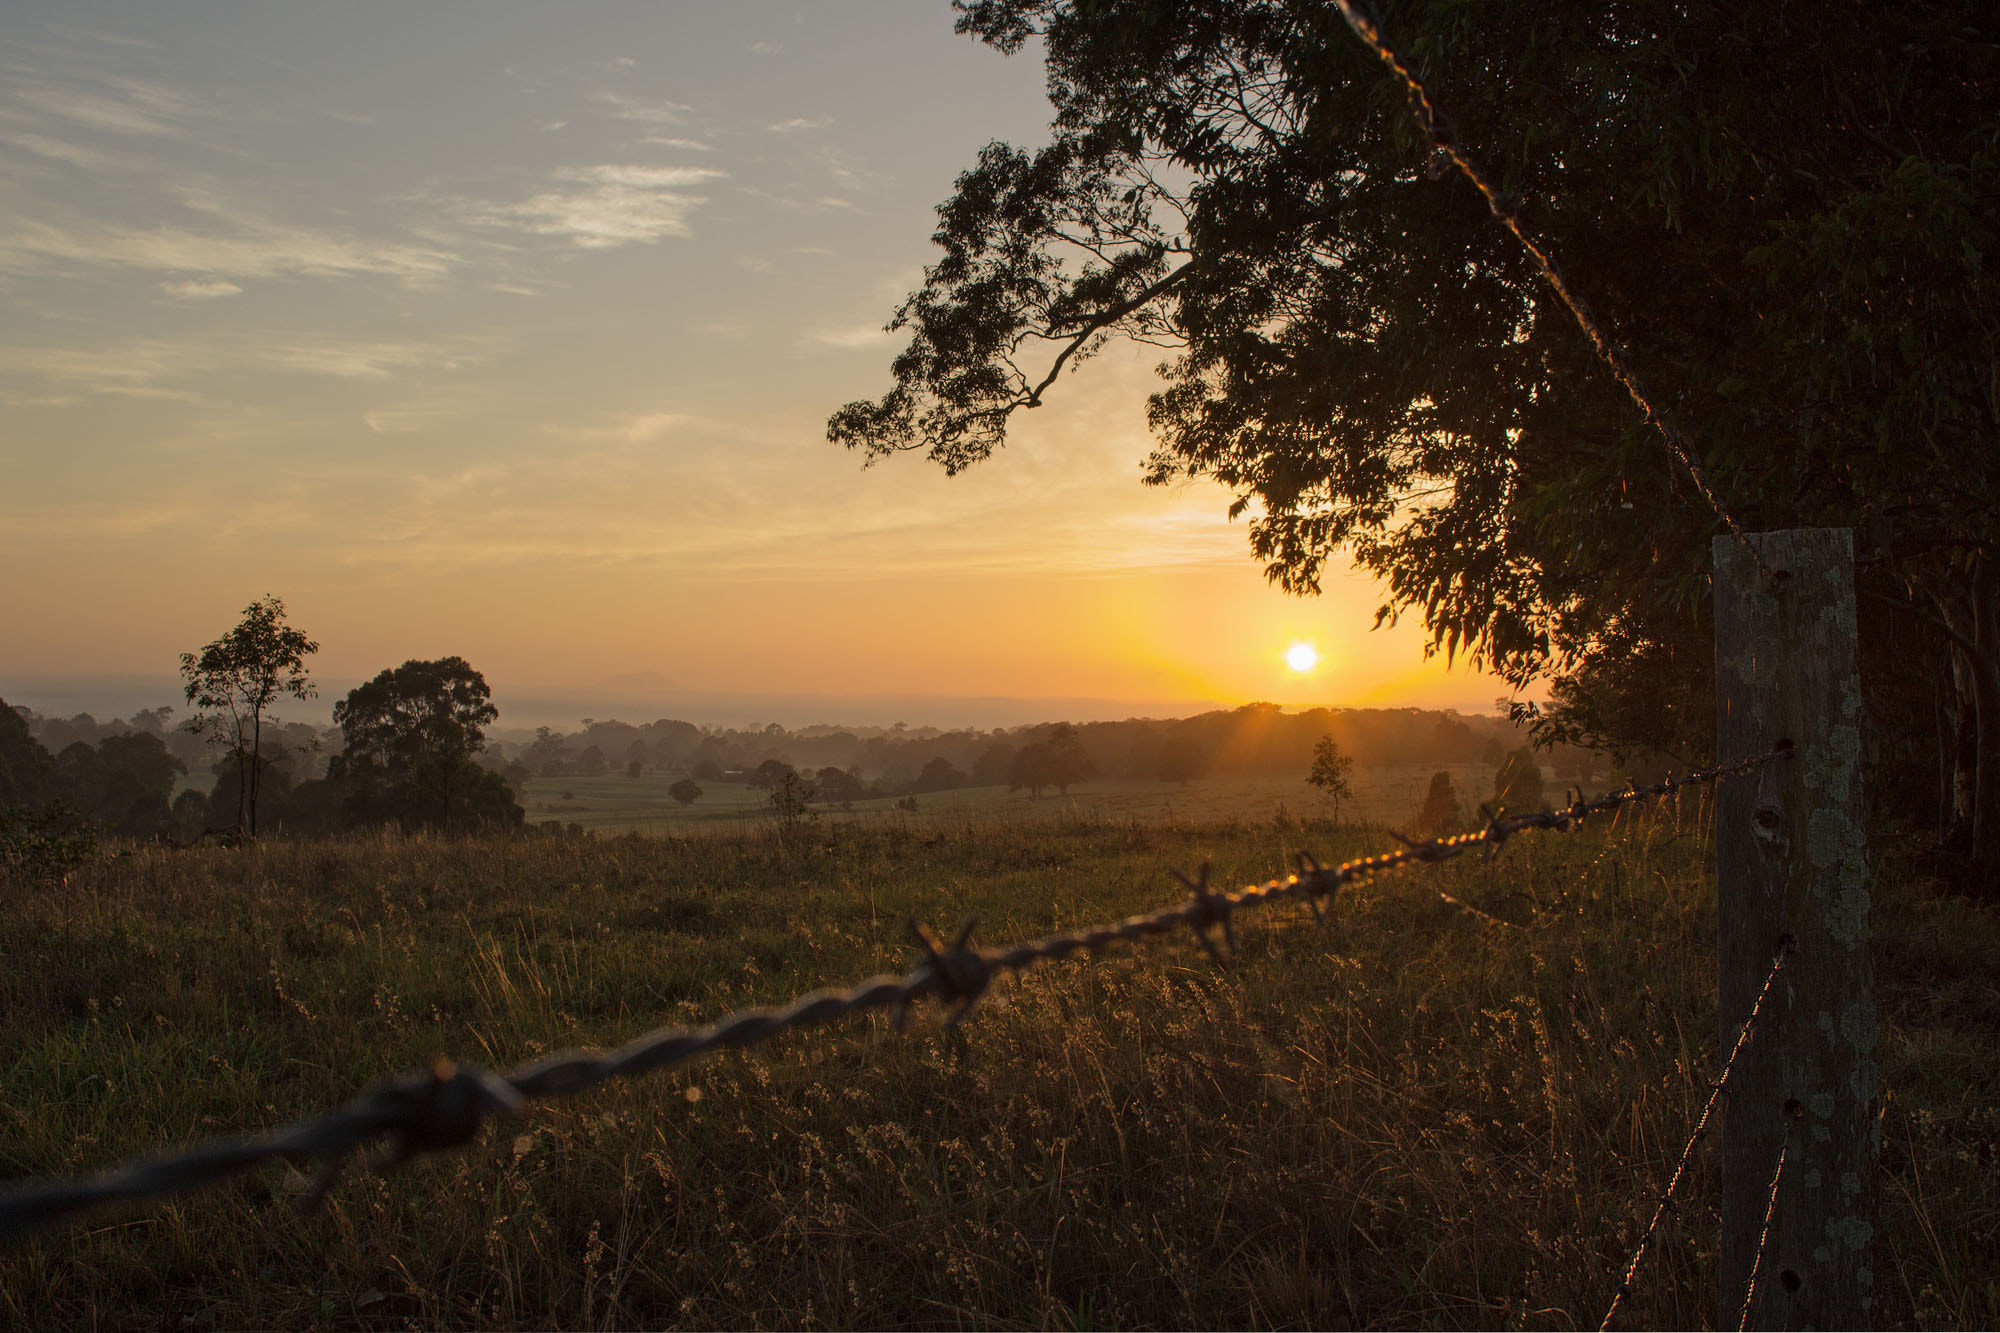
(1302, 657)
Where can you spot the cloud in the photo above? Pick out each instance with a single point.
(242, 244)
(359, 358)
(608, 206)
(154, 367)
(132, 106)
(629, 428)
(797, 123)
(89, 159)
(645, 112)
(799, 204)
(199, 290)
(691, 145)
(848, 336)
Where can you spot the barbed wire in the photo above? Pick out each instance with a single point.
(445, 1106)
(1505, 210)
(1786, 943)
(1764, 1234)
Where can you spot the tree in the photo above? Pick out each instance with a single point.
(685, 791)
(125, 785)
(1330, 769)
(841, 786)
(545, 754)
(770, 773)
(1441, 813)
(991, 768)
(1518, 784)
(1057, 760)
(232, 684)
(791, 799)
(1795, 242)
(940, 774)
(411, 735)
(27, 769)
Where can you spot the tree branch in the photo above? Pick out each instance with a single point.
(1102, 320)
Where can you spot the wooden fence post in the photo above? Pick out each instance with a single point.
(1792, 859)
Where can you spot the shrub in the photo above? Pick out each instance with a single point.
(45, 844)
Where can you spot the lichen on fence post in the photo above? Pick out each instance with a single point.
(1791, 859)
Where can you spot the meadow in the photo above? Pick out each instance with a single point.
(1412, 1115)
(1385, 793)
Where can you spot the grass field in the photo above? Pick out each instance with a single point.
(1406, 1117)
(1387, 794)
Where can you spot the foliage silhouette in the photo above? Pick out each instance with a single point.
(232, 684)
(1793, 240)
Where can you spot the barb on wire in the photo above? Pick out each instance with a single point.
(1505, 210)
(1786, 943)
(1763, 1236)
(446, 1105)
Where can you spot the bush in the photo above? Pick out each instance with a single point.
(1442, 813)
(45, 844)
(1517, 787)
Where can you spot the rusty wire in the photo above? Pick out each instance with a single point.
(446, 1105)
(1763, 1236)
(1666, 1201)
(1506, 212)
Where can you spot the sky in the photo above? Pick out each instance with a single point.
(510, 330)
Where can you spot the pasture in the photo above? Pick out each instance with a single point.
(1408, 1116)
(1386, 794)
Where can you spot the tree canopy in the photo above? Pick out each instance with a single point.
(411, 735)
(1056, 760)
(1785, 216)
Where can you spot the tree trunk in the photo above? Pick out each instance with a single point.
(1973, 613)
(1946, 720)
(256, 765)
(1963, 754)
(242, 786)
(1985, 671)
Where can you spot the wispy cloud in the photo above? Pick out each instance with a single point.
(167, 367)
(689, 145)
(821, 203)
(120, 105)
(797, 123)
(629, 427)
(847, 336)
(195, 289)
(642, 110)
(239, 243)
(61, 150)
(607, 206)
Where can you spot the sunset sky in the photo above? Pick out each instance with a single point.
(510, 330)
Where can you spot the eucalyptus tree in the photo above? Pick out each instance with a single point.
(1784, 215)
(232, 684)
(412, 733)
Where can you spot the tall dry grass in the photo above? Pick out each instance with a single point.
(1405, 1117)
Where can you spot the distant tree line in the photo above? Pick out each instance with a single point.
(406, 749)
(900, 760)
